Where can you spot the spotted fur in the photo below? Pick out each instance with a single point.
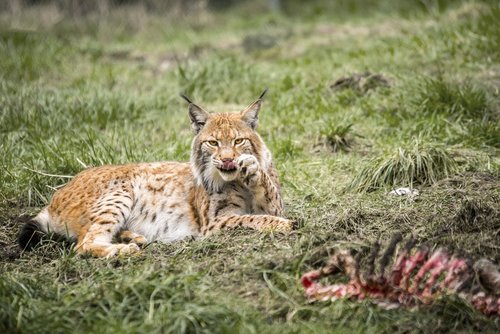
(229, 182)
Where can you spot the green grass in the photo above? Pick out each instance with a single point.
(83, 92)
(420, 164)
(337, 136)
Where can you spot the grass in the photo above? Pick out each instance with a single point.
(338, 136)
(455, 101)
(419, 164)
(419, 108)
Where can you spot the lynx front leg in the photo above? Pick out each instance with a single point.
(267, 196)
(265, 223)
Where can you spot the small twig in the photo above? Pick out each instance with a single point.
(46, 174)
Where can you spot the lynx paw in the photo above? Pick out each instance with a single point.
(249, 169)
(286, 226)
(122, 249)
(281, 225)
(131, 237)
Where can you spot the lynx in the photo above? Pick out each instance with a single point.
(229, 182)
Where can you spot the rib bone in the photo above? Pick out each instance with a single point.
(417, 276)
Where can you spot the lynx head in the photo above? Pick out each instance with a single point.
(220, 139)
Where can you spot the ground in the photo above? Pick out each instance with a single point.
(363, 97)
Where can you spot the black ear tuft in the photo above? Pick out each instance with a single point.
(30, 235)
(263, 93)
(188, 100)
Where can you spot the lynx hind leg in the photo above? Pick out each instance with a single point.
(97, 242)
(105, 222)
(126, 237)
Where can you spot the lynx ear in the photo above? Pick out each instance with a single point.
(197, 115)
(251, 113)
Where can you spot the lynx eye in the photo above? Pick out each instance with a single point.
(213, 143)
(238, 141)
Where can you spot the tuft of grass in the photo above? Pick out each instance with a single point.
(338, 136)
(418, 164)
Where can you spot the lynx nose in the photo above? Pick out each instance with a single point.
(228, 164)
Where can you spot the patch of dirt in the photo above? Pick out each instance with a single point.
(475, 215)
(9, 228)
(10, 253)
(360, 82)
(12, 216)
